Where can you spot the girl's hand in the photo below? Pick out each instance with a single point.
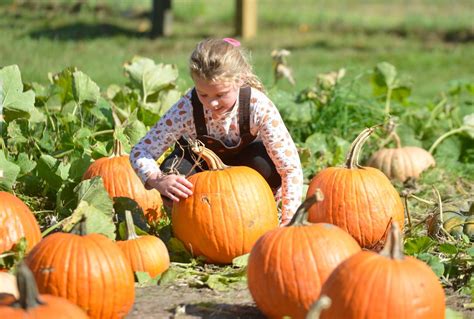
(175, 187)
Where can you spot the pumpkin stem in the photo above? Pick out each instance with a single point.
(392, 248)
(130, 226)
(301, 216)
(27, 288)
(352, 157)
(396, 138)
(212, 160)
(324, 302)
(80, 228)
(117, 149)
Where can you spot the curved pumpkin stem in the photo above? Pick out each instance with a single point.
(353, 154)
(130, 226)
(324, 302)
(301, 216)
(118, 149)
(392, 248)
(27, 288)
(212, 160)
(396, 138)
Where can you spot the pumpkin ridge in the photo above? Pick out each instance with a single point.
(102, 280)
(233, 203)
(376, 273)
(368, 204)
(334, 215)
(288, 237)
(410, 164)
(357, 215)
(309, 239)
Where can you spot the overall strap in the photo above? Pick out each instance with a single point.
(244, 110)
(198, 114)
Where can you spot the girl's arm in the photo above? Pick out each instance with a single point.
(282, 150)
(160, 137)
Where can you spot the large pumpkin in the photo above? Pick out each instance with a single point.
(231, 207)
(360, 200)
(386, 285)
(145, 253)
(288, 266)
(401, 163)
(88, 270)
(32, 305)
(16, 221)
(120, 180)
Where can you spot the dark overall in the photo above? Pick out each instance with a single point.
(248, 152)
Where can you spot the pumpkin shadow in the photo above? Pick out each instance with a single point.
(222, 310)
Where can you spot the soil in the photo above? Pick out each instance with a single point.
(182, 301)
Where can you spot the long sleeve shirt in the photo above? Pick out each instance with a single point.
(265, 123)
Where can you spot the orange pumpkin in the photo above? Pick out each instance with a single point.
(16, 221)
(120, 180)
(144, 253)
(386, 285)
(360, 200)
(288, 266)
(32, 305)
(231, 207)
(401, 163)
(88, 270)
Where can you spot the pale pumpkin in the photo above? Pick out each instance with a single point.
(360, 200)
(401, 163)
(8, 284)
(231, 207)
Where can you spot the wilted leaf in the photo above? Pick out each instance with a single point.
(240, 261)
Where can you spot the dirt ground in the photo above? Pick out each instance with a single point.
(182, 301)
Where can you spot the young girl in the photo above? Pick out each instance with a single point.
(228, 111)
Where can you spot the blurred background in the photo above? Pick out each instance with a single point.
(430, 42)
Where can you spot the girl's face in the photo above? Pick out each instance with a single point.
(219, 97)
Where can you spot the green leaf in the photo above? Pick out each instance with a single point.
(434, 262)
(168, 277)
(8, 173)
(122, 204)
(14, 103)
(53, 171)
(177, 251)
(150, 77)
(25, 163)
(449, 249)
(414, 246)
(144, 279)
(316, 142)
(452, 314)
(134, 128)
(16, 137)
(240, 261)
(122, 231)
(62, 85)
(84, 89)
(384, 75)
(96, 206)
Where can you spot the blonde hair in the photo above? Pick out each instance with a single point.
(217, 60)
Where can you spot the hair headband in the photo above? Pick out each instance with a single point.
(232, 41)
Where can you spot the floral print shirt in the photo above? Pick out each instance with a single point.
(265, 123)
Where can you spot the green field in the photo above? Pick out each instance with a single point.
(429, 42)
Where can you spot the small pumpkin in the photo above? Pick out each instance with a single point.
(455, 223)
(401, 163)
(120, 180)
(386, 285)
(8, 284)
(89, 270)
(287, 266)
(16, 221)
(360, 200)
(145, 253)
(231, 207)
(32, 305)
